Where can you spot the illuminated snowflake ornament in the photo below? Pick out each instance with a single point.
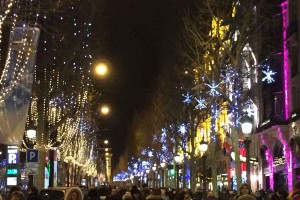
(200, 103)
(213, 88)
(268, 75)
(182, 129)
(150, 154)
(187, 98)
(164, 148)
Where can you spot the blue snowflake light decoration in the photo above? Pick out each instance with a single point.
(182, 129)
(188, 98)
(268, 75)
(200, 103)
(144, 152)
(213, 88)
(150, 154)
(164, 148)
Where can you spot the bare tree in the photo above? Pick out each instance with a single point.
(220, 44)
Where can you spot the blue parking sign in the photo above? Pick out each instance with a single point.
(32, 155)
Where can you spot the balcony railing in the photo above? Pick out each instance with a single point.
(274, 112)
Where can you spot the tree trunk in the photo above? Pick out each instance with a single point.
(184, 171)
(40, 181)
(213, 161)
(40, 140)
(192, 173)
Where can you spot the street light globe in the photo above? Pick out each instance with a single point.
(31, 133)
(154, 167)
(177, 158)
(247, 124)
(101, 69)
(106, 142)
(203, 146)
(162, 164)
(147, 171)
(105, 110)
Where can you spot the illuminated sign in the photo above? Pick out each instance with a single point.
(279, 161)
(12, 171)
(11, 181)
(12, 155)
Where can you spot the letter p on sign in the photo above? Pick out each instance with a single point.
(32, 155)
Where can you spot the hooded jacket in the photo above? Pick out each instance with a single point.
(74, 189)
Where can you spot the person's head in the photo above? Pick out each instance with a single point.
(32, 191)
(155, 195)
(74, 196)
(212, 197)
(93, 193)
(184, 195)
(13, 189)
(17, 195)
(135, 192)
(127, 196)
(245, 189)
(297, 184)
(210, 193)
(281, 191)
(74, 193)
(114, 192)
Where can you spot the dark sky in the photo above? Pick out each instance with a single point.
(135, 36)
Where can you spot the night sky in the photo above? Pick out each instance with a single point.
(136, 36)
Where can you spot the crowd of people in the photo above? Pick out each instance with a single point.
(146, 193)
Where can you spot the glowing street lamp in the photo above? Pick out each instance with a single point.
(203, 149)
(203, 146)
(247, 124)
(31, 131)
(162, 165)
(154, 167)
(101, 69)
(104, 110)
(177, 159)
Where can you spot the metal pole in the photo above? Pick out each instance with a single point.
(247, 145)
(204, 172)
(177, 176)
(162, 177)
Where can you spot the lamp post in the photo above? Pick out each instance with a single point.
(154, 175)
(147, 175)
(31, 135)
(162, 165)
(177, 161)
(203, 149)
(247, 124)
